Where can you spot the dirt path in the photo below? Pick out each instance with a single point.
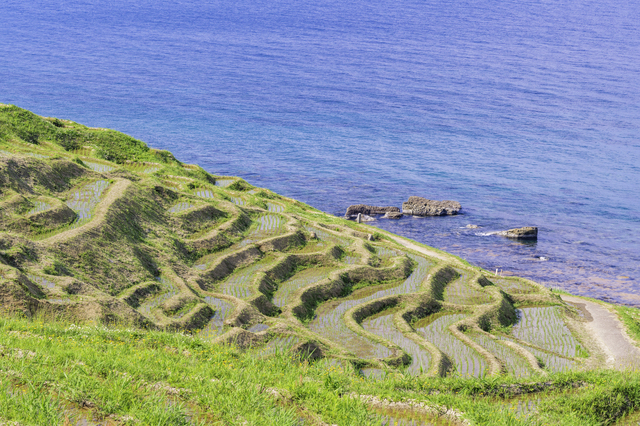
(608, 329)
(423, 250)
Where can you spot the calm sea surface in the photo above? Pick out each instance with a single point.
(527, 112)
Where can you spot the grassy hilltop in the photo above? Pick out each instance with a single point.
(136, 289)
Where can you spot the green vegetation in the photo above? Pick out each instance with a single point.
(139, 290)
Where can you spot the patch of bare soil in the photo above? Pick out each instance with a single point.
(604, 326)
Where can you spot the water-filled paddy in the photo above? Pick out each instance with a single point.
(185, 205)
(215, 326)
(84, 200)
(309, 276)
(38, 207)
(98, 167)
(329, 321)
(461, 292)
(383, 326)
(323, 235)
(515, 364)
(467, 362)
(168, 289)
(544, 327)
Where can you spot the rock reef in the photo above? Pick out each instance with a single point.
(353, 211)
(527, 232)
(418, 206)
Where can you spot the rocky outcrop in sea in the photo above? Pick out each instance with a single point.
(418, 206)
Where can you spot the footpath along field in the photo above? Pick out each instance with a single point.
(137, 289)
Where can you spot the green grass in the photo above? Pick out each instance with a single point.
(631, 318)
(49, 369)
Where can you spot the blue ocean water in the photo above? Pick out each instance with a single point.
(527, 112)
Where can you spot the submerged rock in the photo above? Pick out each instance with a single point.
(354, 210)
(527, 232)
(418, 206)
(470, 226)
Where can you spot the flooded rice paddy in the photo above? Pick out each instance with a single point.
(224, 182)
(181, 207)
(38, 207)
(467, 362)
(384, 327)
(329, 237)
(98, 167)
(41, 281)
(461, 292)
(239, 283)
(275, 208)
(215, 326)
(545, 328)
(514, 364)
(84, 200)
(329, 321)
(285, 291)
(167, 290)
(268, 225)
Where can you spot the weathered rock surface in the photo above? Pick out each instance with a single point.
(527, 232)
(393, 215)
(368, 210)
(418, 206)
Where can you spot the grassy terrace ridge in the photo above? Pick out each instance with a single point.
(136, 289)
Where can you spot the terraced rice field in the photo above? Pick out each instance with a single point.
(142, 168)
(515, 364)
(34, 155)
(329, 237)
(350, 260)
(467, 362)
(224, 182)
(329, 320)
(168, 289)
(41, 281)
(285, 291)
(258, 328)
(275, 208)
(513, 285)
(239, 282)
(545, 328)
(385, 253)
(461, 292)
(84, 152)
(215, 326)
(268, 225)
(383, 326)
(237, 201)
(39, 206)
(98, 167)
(84, 201)
(181, 207)
(203, 193)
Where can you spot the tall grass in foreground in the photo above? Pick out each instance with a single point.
(50, 369)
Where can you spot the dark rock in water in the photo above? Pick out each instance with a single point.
(393, 215)
(418, 206)
(527, 232)
(368, 210)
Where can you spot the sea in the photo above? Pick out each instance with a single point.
(527, 112)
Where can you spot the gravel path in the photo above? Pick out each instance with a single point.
(608, 329)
